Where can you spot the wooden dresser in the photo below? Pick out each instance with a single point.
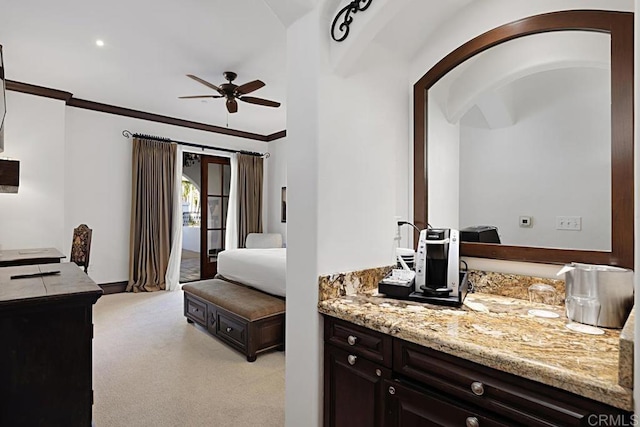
(46, 331)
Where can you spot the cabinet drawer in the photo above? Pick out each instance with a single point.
(523, 401)
(413, 407)
(360, 341)
(195, 310)
(231, 329)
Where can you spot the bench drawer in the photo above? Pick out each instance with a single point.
(195, 310)
(231, 329)
(360, 341)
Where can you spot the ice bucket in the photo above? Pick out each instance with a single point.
(611, 287)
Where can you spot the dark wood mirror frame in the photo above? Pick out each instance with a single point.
(620, 27)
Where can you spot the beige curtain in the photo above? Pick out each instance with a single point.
(250, 169)
(152, 194)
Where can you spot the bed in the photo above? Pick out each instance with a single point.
(262, 268)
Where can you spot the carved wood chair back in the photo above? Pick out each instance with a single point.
(81, 245)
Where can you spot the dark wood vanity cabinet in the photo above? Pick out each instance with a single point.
(372, 379)
(354, 374)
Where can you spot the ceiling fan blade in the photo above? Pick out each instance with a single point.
(259, 101)
(206, 83)
(232, 105)
(249, 87)
(200, 96)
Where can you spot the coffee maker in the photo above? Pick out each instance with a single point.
(438, 276)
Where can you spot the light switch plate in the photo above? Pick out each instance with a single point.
(572, 223)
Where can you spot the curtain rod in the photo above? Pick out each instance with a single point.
(128, 134)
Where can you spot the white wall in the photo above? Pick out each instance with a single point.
(554, 161)
(191, 238)
(98, 180)
(443, 164)
(347, 180)
(34, 134)
(276, 178)
(76, 168)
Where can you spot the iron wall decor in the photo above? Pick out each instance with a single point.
(346, 14)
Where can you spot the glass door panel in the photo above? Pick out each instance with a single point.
(215, 212)
(214, 244)
(215, 179)
(216, 173)
(226, 178)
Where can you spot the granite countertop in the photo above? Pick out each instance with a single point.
(494, 331)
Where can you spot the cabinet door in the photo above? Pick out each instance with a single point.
(353, 390)
(412, 407)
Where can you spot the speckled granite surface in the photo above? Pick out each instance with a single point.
(492, 330)
(626, 352)
(512, 285)
(353, 282)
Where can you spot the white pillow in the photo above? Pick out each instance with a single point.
(263, 240)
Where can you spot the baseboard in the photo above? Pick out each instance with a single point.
(114, 287)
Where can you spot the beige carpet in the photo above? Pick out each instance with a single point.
(152, 368)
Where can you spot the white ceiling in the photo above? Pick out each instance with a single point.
(149, 47)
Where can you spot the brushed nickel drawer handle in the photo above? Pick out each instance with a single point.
(472, 422)
(378, 372)
(477, 388)
(352, 340)
(352, 359)
(392, 390)
(229, 329)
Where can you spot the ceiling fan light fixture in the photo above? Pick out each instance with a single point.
(232, 92)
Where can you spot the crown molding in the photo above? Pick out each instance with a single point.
(69, 100)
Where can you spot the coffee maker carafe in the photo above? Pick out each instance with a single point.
(438, 276)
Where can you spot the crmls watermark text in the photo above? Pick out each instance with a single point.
(609, 420)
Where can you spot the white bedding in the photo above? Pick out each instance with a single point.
(263, 269)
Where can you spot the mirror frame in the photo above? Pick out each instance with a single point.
(619, 25)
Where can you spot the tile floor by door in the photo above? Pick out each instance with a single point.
(189, 266)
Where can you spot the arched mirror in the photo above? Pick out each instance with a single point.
(528, 129)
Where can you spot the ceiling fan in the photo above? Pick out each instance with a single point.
(233, 92)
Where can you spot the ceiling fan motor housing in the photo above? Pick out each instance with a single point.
(230, 75)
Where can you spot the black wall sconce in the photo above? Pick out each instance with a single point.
(346, 15)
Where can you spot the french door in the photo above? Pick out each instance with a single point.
(216, 176)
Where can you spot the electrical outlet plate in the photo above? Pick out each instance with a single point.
(572, 223)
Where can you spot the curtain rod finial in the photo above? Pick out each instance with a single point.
(127, 134)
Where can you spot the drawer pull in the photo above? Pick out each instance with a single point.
(392, 390)
(477, 388)
(472, 422)
(352, 359)
(229, 329)
(378, 372)
(352, 340)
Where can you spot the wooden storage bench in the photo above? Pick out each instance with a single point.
(248, 320)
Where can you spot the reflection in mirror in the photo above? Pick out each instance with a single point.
(619, 27)
(520, 139)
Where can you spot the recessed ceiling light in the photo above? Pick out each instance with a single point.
(99, 43)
